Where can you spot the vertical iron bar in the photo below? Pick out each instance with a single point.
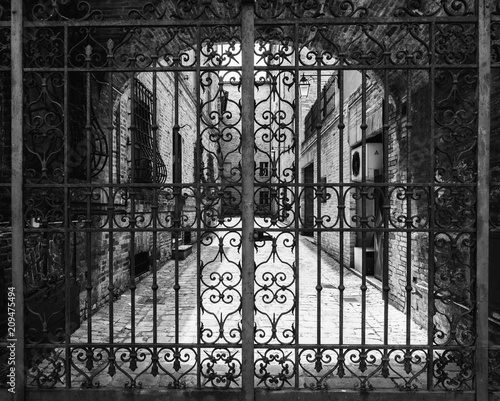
(432, 225)
(341, 206)
(319, 126)
(247, 213)
(112, 194)
(88, 222)
(408, 209)
(483, 174)
(154, 208)
(17, 188)
(296, 197)
(199, 189)
(386, 208)
(154, 216)
(118, 140)
(66, 217)
(133, 193)
(364, 194)
(177, 190)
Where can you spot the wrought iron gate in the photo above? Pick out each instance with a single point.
(316, 245)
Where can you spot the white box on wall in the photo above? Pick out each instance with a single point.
(373, 165)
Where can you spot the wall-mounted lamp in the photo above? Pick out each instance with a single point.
(304, 85)
(304, 82)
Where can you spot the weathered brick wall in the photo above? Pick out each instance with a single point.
(330, 156)
(408, 162)
(416, 268)
(408, 155)
(99, 262)
(122, 250)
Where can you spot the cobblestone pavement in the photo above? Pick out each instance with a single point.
(275, 288)
(218, 268)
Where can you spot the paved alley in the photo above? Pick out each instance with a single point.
(284, 296)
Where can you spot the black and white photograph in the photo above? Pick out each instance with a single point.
(249, 200)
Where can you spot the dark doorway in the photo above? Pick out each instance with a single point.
(141, 260)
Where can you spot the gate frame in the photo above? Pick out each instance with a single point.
(17, 189)
(248, 391)
(483, 198)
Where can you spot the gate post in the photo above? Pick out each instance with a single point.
(483, 193)
(247, 203)
(16, 48)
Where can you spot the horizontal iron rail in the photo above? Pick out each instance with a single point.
(236, 395)
(257, 183)
(271, 346)
(345, 67)
(304, 22)
(259, 229)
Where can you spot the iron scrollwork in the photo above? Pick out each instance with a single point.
(196, 45)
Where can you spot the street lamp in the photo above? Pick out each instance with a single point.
(304, 85)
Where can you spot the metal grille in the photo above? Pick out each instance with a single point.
(319, 245)
(145, 152)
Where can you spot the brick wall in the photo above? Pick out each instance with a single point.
(330, 150)
(122, 250)
(408, 162)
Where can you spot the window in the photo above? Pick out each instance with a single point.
(77, 131)
(264, 169)
(117, 146)
(354, 122)
(145, 153)
(264, 197)
(328, 97)
(321, 109)
(310, 122)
